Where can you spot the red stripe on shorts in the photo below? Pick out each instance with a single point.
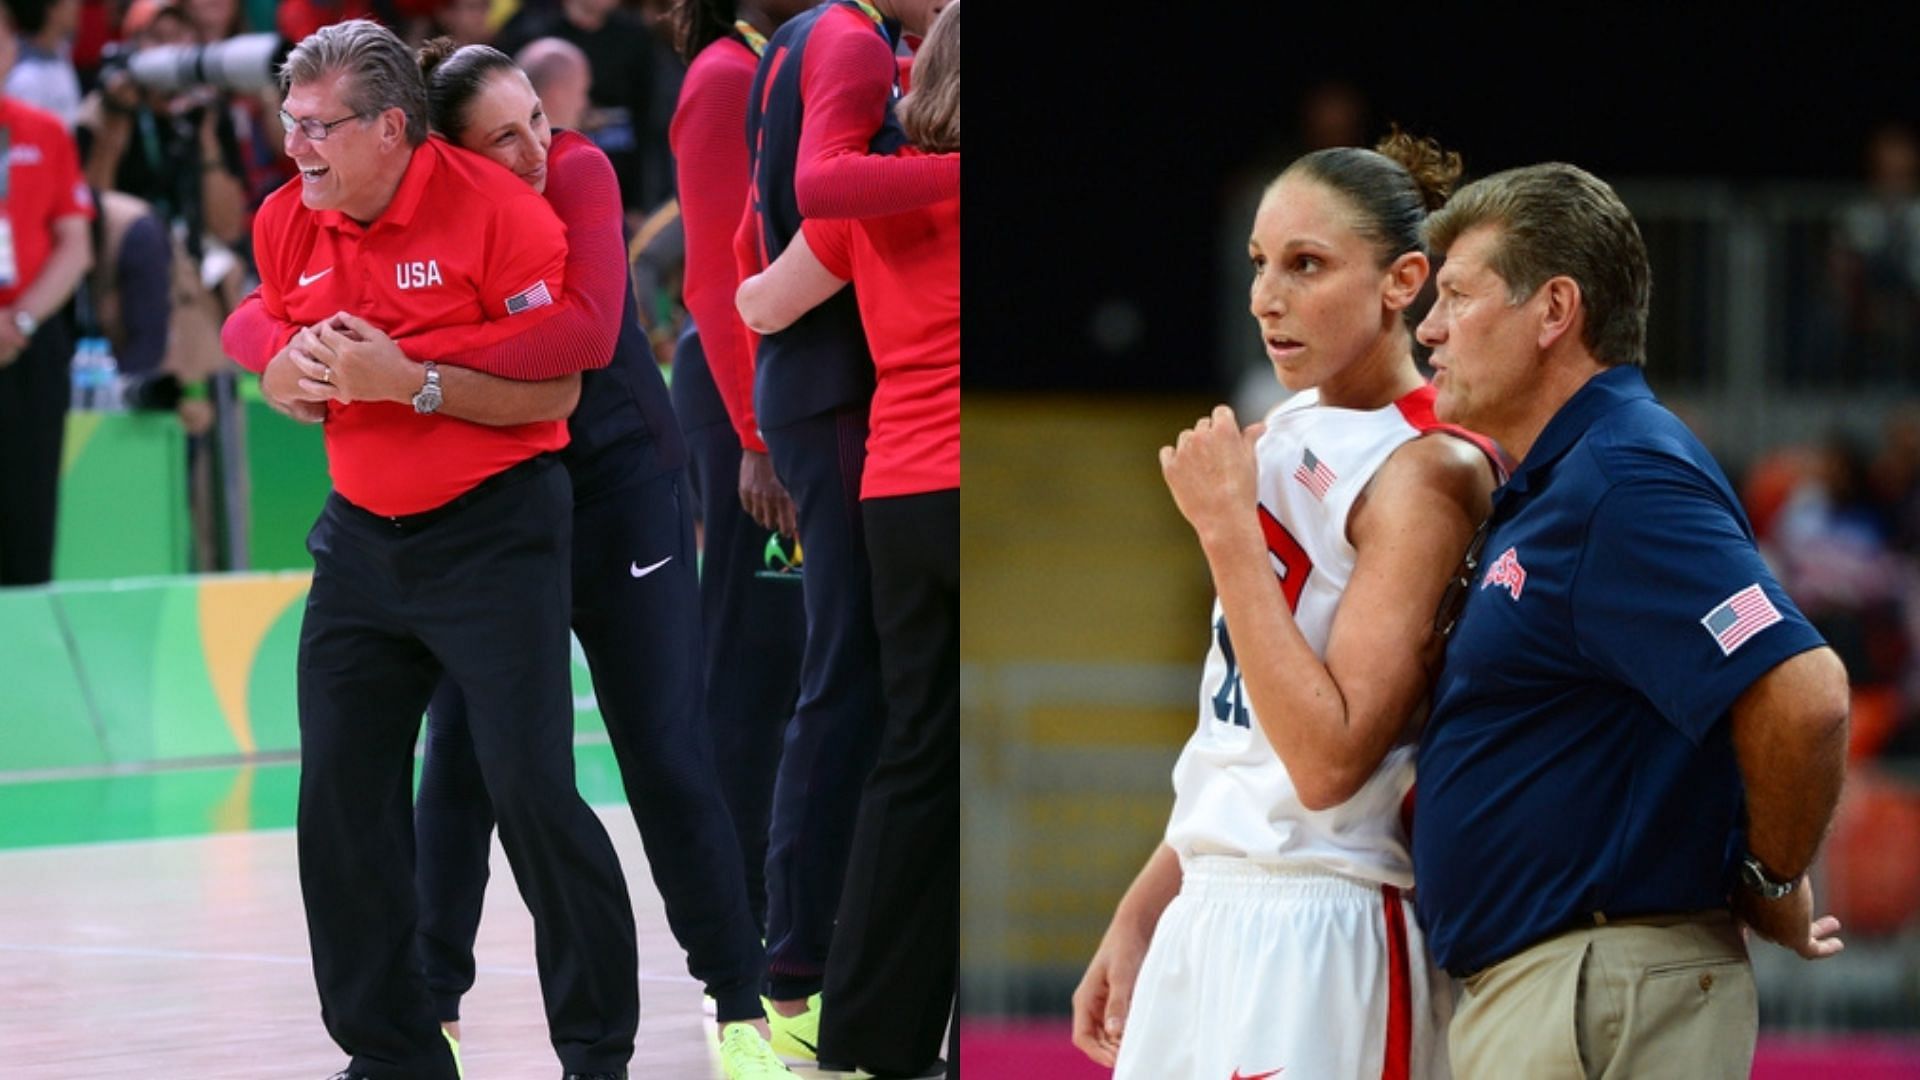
(1399, 1064)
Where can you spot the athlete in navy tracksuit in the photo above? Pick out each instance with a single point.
(636, 612)
(813, 384)
(750, 606)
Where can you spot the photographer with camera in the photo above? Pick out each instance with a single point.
(44, 210)
(164, 134)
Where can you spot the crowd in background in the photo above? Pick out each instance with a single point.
(177, 160)
(175, 128)
(201, 158)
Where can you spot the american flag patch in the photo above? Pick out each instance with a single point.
(1739, 617)
(1314, 474)
(535, 295)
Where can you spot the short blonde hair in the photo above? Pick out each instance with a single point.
(930, 112)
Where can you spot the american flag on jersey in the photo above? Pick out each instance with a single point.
(1739, 617)
(533, 296)
(1314, 473)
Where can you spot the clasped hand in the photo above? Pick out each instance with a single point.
(1212, 472)
(343, 359)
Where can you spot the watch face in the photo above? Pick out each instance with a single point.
(427, 400)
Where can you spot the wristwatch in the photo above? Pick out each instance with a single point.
(1755, 877)
(428, 398)
(24, 321)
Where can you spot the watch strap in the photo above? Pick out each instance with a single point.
(1754, 875)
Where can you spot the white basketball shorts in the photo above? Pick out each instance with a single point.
(1298, 975)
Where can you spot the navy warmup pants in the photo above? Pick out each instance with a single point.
(636, 610)
(756, 626)
(753, 616)
(835, 732)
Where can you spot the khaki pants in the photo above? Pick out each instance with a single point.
(1668, 996)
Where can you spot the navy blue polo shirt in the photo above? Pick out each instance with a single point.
(1578, 758)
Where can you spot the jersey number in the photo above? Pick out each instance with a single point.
(1294, 565)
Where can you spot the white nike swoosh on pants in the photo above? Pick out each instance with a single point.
(642, 571)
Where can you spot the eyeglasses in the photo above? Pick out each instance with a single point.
(314, 130)
(1454, 600)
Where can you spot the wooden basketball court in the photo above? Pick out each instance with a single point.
(186, 955)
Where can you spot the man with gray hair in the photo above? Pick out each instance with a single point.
(444, 546)
(1636, 741)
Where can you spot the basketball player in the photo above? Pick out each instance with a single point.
(1280, 938)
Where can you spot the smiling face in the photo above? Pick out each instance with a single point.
(1319, 293)
(339, 171)
(506, 123)
(1485, 346)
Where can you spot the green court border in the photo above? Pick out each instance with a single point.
(199, 800)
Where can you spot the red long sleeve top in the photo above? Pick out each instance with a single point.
(846, 77)
(710, 148)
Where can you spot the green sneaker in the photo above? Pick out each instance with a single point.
(454, 1045)
(795, 1036)
(744, 1055)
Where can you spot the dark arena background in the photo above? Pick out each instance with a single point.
(1771, 157)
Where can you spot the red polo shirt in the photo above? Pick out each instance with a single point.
(43, 186)
(463, 241)
(906, 273)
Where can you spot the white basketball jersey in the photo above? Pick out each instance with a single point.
(1232, 796)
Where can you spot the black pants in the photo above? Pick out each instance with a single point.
(636, 609)
(34, 391)
(892, 973)
(755, 628)
(835, 731)
(481, 593)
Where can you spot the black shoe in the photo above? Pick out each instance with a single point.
(348, 1074)
(621, 1075)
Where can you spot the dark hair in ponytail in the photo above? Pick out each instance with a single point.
(1393, 186)
(454, 78)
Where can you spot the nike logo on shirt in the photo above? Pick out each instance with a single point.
(642, 571)
(305, 280)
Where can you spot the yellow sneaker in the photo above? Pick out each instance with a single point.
(454, 1045)
(746, 1056)
(795, 1036)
